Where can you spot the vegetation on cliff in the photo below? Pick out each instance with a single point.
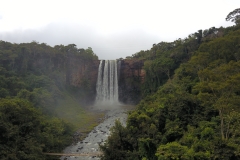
(33, 87)
(190, 108)
(191, 105)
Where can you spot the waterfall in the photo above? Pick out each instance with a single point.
(107, 82)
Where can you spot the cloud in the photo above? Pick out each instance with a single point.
(112, 29)
(106, 46)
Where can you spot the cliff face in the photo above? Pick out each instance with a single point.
(83, 74)
(131, 77)
(78, 72)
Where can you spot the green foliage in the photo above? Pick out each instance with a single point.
(117, 145)
(234, 16)
(191, 99)
(26, 133)
(172, 151)
(33, 83)
(163, 59)
(147, 148)
(218, 87)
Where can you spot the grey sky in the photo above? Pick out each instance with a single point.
(112, 28)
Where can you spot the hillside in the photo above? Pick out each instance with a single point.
(40, 106)
(190, 108)
(188, 89)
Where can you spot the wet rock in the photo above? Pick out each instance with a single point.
(97, 136)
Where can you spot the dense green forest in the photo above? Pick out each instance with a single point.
(190, 109)
(190, 106)
(32, 86)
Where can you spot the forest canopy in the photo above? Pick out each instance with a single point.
(32, 85)
(190, 108)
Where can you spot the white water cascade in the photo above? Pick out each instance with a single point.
(107, 82)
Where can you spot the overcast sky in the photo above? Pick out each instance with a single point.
(113, 28)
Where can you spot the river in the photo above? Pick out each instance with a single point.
(90, 145)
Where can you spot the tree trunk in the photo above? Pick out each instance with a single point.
(222, 124)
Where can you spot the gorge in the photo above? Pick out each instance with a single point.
(60, 82)
(187, 94)
(107, 98)
(130, 73)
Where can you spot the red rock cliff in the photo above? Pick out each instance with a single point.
(82, 74)
(131, 77)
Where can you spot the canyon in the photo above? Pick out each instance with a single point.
(83, 74)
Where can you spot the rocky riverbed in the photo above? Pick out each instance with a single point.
(90, 145)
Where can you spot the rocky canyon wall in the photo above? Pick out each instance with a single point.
(83, 75)
(131, 78)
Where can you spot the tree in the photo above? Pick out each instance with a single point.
(219, 88)
(26, 132)
(234, 16)
(147, 148)
(165, 64)
(19, 133)
(172, 151)
(117, 145)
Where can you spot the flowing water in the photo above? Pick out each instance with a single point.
(106, 99)
(107, 83)
(90, 145)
